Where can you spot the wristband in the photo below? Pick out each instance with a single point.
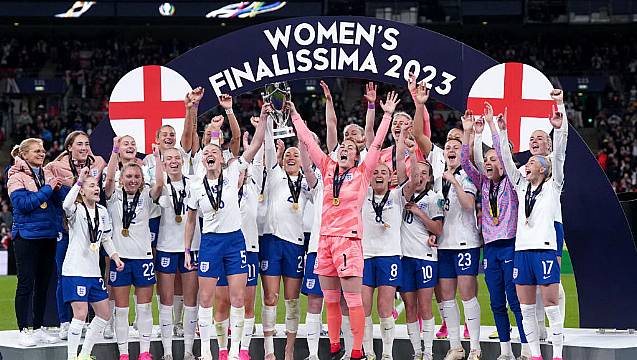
(187, 250)
(229, 111)
(371, 106)
(116, 149)
(215, 133)
(78, 183)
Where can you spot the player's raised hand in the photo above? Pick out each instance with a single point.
(411, 83)
(389, 106)
(558, 96)
(194, 97)
(245, 139)
(467, 120)
(478, 125)
(370, 92)
(488, 112)
(225, 101)
(83, 174)
(422, 92)
(216, 122)
(326, 90)
(502, 120)
(556, 119)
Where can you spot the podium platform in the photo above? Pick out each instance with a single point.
(579, 344)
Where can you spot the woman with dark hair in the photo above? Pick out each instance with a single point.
(67, 166)
(34, 233)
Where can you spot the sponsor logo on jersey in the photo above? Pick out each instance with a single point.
(204, 266)
(113, 276)
(165, 261)
(310, 283)
(264, 265)
(81, 290)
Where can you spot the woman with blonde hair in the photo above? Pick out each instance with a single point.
(34, 233)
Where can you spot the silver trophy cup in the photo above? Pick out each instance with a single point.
(277, 94)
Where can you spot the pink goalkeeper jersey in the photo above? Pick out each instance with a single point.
(345, 219)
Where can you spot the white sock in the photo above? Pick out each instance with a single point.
(178, 309)
(472, 316)
(348, 338)
(557, 329)
(539, 310)
(75, 337)
(190, 324)
(268, 316)
(441, 309)
(529, 323)
(205, 319)
(94, 333)
(505, 348)
(135, 319)
(313, 323)
(526, 350)
(121, 329)
(111, 306)
(248, 325)
(237, 317)
(428, 332)
(387, 328)
(145, 326)
(452, 317)
(413, 329)
(562, 302)
(166, 325)
(292, 315)
(221, 328)
(368, 336)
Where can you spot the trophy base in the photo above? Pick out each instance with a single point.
(283, 132)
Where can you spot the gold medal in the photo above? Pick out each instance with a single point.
(261, 198)
(125, 232)
(95, 246)
(178, 219)
(387, 226)
(496, 221)
(44, 205)
(295, 206)
(336, 201)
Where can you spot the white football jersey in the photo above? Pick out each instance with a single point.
(317, 200)
(171, 232)
(460, 230)
(414, 234)
(228, 217)
(538, 232)
(80, 260)
(262, 206)
(379, 240)
(137, 244)
(558, 205)
(284, 221)
(248, 204)
(309, 213)
(436, 158)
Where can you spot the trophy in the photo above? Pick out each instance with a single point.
(277, 94)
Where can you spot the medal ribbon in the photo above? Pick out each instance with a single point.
(414, 199)
(295, 187)
(378, 207)
(178, 200)
(215, 203)
(338, 181)
(530, 197)
(93, 225)
(129, 210)
(493, 201)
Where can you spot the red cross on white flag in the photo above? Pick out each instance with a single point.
(524, 91)
(145, 99)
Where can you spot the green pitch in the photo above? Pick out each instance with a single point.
(8, 322)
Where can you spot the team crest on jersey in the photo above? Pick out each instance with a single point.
(204, 266)
(94, 172)
(264, 265)
(349, 177)
(515, 273)
(310, 283)
(113, 276)
(165, 261)
(81, 290)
